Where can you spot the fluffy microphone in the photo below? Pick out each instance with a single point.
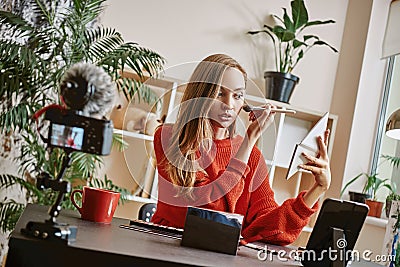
(88, 89)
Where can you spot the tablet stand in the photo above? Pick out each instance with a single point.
(338, 236)
(335, 231)
(50, 229)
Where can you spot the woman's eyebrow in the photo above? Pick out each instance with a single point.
(235, 90)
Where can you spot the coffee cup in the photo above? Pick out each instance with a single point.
(98, 205)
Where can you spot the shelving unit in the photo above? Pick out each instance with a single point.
(134, 135)
(138, 172)
(277, 145)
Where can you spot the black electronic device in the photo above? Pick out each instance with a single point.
(88, 94)
(79, 133)
(335, 233)
(212, 230)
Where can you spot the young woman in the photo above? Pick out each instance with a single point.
(202, 162)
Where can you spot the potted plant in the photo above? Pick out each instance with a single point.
(389, 199)
(290, 46)
(372, 185)
(35, 52)
(393, 196)
(358, 196)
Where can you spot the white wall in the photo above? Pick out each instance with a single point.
(187, 30)
(358, 89)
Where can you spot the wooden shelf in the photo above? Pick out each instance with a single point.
(141, 199)
(134, 135)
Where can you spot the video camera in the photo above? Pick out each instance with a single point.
(79, 133)
(88, 92)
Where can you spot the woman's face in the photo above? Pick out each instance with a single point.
(230, 99)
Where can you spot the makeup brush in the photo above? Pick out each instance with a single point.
(249, 108)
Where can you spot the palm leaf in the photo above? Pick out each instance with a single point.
(101, 41)
(394, 161)
(135, 57)
(84, 12)
(7, 181)
(109, 185)
(350, 182)
(17, 117)
(119, 142)
(131, 87)
(10, 211)
(15, 23)
(84, 165)
(32, 153)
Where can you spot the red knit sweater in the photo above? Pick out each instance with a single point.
(233, 186)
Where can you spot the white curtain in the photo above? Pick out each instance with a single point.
(391, 42)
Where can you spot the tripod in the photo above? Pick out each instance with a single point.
(50, 229)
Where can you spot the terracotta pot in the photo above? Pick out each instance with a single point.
(375, 208)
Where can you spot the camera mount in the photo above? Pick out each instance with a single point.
(50, 229)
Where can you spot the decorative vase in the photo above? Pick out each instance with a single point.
(279, 86)
(375, 208)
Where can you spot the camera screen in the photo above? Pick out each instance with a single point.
(66, 136)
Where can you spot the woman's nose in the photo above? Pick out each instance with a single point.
(227, 103)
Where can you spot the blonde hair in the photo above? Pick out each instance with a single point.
(193, 129)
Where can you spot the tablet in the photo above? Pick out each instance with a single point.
(335, 215)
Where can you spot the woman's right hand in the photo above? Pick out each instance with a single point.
(260, 121)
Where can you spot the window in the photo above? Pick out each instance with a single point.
(385, 145)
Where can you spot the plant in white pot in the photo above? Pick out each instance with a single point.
(290, 45)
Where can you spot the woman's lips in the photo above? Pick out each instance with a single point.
(225, 117)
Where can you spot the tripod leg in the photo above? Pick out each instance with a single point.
(339, 245)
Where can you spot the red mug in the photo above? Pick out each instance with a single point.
(98, 205)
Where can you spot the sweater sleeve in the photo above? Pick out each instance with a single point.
(266, 220)
(218, 193)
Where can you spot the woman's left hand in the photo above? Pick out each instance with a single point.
(319, 165)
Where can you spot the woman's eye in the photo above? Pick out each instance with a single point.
(239, 96)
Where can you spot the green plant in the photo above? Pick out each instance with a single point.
(372, 184)
(290, 44)
(393, 197)
(33, 58)
(389, 199)
(393, 160)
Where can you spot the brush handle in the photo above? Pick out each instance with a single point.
(248, 108)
